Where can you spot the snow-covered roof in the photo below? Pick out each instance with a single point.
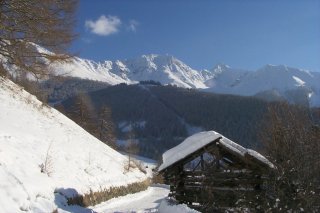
(188, 146)
(200, 140)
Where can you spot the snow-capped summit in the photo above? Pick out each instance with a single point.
(220, 67)
(224, 77)
(287, 81)
(162, 68)
(278, 77)
(210, 74)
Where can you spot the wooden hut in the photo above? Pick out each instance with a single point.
(210, 172)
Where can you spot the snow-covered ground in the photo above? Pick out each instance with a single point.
(154, 199)
(44, 156)
(146, 201)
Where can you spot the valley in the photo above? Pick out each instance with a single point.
(159, 106)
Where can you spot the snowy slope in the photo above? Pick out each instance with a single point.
(31, 132)
(224, 77)
(279, 79)
(87, 69)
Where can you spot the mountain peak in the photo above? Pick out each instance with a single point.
(157, 58)
(149, 56)
(221, 66)
(280, 66)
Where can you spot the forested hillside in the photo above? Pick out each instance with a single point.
(162, 116)
(65, 87)
(235, 116)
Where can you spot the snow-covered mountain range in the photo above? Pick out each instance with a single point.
(163, 68)
(270, 82)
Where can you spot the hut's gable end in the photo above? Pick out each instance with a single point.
(230, 173)
(191, 145)
(194, 143)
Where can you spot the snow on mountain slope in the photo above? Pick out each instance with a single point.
(290, 83)
(283, 79)
(224, 77)
(30, 133)
(165, 69)
(87, 69)
(221, 79)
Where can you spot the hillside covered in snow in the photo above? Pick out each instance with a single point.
(45, 157)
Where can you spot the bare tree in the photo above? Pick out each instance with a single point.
(293, 144)
(132, 148)
(83, 112)
(106, 130)
(27, 25)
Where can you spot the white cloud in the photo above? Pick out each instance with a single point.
(104, 26)
(133, 24)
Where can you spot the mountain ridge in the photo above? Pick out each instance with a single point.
(288, 82)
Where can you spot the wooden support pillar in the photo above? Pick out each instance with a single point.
(218, 158)
(202, 163)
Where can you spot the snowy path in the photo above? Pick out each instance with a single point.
(145, 201)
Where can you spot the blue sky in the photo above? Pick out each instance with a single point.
(241, 33)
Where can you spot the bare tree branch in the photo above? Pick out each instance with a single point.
(25, 24)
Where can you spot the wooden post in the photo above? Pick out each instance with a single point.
(202, 163)
(218, 157)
